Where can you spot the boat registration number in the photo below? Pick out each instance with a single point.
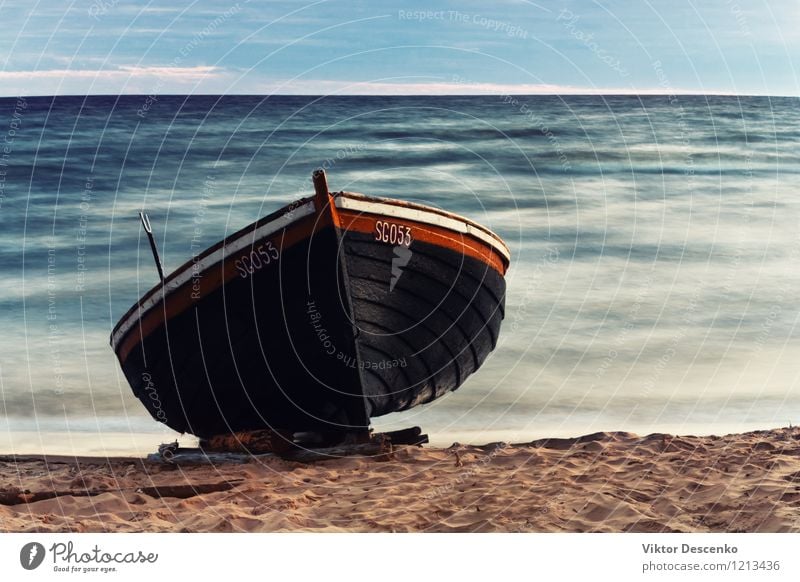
(394, 234)
(259, 257)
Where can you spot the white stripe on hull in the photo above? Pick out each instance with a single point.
(217, 257)
(452, 222)
(346, 201)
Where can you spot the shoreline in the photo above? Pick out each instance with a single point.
(609, 482)
(145, 436)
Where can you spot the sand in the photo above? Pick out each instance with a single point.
(607, 482)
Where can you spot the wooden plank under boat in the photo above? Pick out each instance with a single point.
(335, 309)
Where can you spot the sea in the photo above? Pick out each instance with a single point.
(655, 246)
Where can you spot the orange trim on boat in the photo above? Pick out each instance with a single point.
(210, 279)
(463, 244)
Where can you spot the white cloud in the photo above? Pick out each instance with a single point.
(192, 73)
(120, 80)
(216, 80)
(317, 87)
(123, 72)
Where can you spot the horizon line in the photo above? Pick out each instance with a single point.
(644, 93)
(212, 80)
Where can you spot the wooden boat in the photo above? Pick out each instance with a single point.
(335, 309)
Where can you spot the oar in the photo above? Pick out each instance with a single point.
(149, 230)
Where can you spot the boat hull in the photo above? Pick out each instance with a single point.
(316, 322)
(421, 335)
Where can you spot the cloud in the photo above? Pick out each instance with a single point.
(216, 80)
(119, 80)
(123, 72)
(456, 87)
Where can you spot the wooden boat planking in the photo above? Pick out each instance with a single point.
(333, 310)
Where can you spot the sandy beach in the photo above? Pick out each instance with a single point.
(606, 482)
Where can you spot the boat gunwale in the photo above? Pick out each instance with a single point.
(430, 209)
(252, 227)
(281, 212)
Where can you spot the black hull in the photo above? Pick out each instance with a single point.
(250, 355)
(422, 335)
(339, 328)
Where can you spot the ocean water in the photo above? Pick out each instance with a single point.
(655, 247)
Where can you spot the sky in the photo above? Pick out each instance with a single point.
(428, 47)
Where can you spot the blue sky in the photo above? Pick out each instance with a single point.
(413, 47)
